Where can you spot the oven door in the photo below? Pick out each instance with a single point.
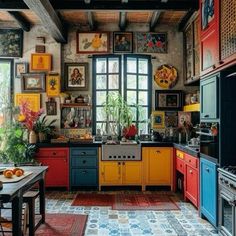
(227, 213)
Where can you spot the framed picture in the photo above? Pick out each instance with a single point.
(122, 42)
(41, 62)
(151, 42)
(92, 42)
(171, 119)
(183, 117)
(76, 76)
(51, 108)
(11, 42)
(32, 98)
(20, 68)
(168, 99)
(53, 85)
(158, 119)
(33, 82)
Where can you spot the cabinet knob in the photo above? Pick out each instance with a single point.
(207, 169)
(84, 172)
(123, 163)
(206, 116)
(83, 153)
(221, 62)
(84, 161)
(158, 151)
(118, 163)
(214, 66)
(54, 153)
(190, 171)
(189, 160)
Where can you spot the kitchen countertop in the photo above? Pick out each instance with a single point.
(184, 147)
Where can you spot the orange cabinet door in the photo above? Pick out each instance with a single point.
(132, 172)
(110, 172)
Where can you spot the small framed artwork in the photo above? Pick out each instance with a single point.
(41, 62)
(76, 76)
(151, 42)
(168, 100)
(51, 108)
(158, 119)
(33, 82)
(32, 98)
(123, 42)
(11, 42)
(20, 68)
(53, 85)
(92, 42)
(183, 117)
(171, 119)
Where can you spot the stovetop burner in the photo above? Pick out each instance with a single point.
(231, 169)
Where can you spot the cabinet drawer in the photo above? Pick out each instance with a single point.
(180, 165)
(179, 154)
(52, 152)
(191, 161)
(83, 152)
(83, 177)
(83, 161)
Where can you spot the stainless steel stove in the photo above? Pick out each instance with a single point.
(121, 152)
(227, 200)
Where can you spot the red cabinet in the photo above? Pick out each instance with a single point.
(57, 160)
(188, 167)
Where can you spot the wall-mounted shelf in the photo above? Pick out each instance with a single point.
(192, 107)
(76, 105)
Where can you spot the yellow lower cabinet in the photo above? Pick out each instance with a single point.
(110, 173)
(132, 172)
(158, 166)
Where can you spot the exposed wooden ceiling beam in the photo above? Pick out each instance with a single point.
(122, 21)
(178, 5)
(154, 20)
(185, 19)
(21, 20)
(92, 23)
(49, 18)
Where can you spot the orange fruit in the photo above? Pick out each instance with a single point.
(19, 173)
(8, 174)
(15, 169)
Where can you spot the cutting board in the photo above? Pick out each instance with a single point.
(14, 177)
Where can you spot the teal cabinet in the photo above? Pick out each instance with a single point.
(209, 98)
(84, 167)
(208, 190)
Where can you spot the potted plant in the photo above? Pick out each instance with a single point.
(43, 129)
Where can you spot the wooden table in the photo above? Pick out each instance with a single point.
(13, 192)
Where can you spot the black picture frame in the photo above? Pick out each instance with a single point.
(168, 100)
(33, 82)
(11, 42)
(122, 42)
(51, 108)
(21, 68)
(73, 82)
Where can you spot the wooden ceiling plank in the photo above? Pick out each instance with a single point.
(92, 24)
(122, 20)
(154, 20)
(21, 20)
(185, 19)
(49, 18)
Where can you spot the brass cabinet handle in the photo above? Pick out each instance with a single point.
(158, 151)
(190, 171)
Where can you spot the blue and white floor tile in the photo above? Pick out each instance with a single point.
(103, 221)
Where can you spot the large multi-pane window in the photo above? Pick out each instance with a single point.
(6, 67)
(128, 75)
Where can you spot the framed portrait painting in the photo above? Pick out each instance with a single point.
(158, 119)
(41, 62)
(53, 85)
(92, 42)
(33, 82)
(11, 42)
(151, 42)
(76, 76)
(32, 98)
(123, 42)
(20, 68)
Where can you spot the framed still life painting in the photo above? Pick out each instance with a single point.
(41, 62)
(92, 42)
(76, 76)
(32, 98)
(11, 42)
(53, 85)
(151, 42)
(33, 82)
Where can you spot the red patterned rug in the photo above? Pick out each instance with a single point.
(62, 225)
(155, 202)
(93, 199)
(129, 201)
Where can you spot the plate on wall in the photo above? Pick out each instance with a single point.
(166, 76)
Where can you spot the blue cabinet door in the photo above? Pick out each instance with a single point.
(209, 98)
(208, 190)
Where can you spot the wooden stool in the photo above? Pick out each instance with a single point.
(29, 212)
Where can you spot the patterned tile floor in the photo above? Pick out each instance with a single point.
(103, 221)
